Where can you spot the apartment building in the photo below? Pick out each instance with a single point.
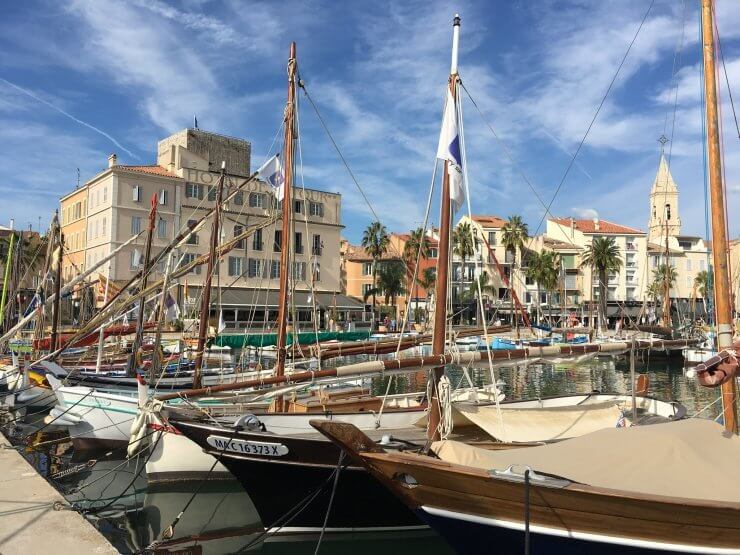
(183, 186)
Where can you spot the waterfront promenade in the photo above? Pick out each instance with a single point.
(31, 520)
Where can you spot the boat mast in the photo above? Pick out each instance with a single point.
(144, 274)
(205, 304)
(57, 297)
(666, 276)
(443, 262)
(287, 206)
(719, 229)
(6, 279)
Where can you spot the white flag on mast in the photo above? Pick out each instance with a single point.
(272, 172)
(449, 150)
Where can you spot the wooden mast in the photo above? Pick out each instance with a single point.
(286, 229)
(144, 274)
(57, 287)
(666, 276)
(443, 263)
(205, 304)
(722, 305)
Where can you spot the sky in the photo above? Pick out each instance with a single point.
(82, 79)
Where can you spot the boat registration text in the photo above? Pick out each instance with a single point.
(247, 447)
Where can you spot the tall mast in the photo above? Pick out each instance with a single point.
(57, 286)
(666, 276)
(719, 229)
(6, 279)
(144, 274)
(443, 261)
(205, 306)
(286, 229)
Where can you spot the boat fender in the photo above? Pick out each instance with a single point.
(250, 423)
(719, 369)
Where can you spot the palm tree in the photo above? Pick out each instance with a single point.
(703, 284)
(603, 257)
(416, 248)
(464, 247)
(375, 241)
(663, 273)
(391, 280)
(485, 285)
(427, 281)
(514, 234)
(550, 276)
(544, 268)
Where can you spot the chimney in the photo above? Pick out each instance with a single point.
(596, 223)
(112, 160)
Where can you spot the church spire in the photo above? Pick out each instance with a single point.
(663, 202)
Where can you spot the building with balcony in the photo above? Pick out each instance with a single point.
(115, 204)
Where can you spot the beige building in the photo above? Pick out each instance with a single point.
(183, 186)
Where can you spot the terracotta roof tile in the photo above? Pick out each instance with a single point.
(589, 226)
(154, 170)
(489, 221)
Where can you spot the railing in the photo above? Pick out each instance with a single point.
(317, 251)
(631, 247)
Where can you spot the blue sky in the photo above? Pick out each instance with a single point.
(80, 80)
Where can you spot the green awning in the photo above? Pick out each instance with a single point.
(239, 341)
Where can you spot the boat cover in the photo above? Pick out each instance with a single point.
(693, 459)
(542, 423)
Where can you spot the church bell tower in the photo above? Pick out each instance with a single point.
(663, 205)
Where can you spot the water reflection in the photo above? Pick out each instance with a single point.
(221, 518)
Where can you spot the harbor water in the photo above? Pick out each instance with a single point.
(219, 516)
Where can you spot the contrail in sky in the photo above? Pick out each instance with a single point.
(70, 116)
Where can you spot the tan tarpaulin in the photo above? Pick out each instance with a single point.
(691, 458)
(541, 424)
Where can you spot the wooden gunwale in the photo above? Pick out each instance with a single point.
(577, 507)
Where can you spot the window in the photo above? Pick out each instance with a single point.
(238, 230)
(255, 267)
(239, 198)
(688, 264)
(211, 193)
(491, 238)
(543, 297)
(317, 246)
(702, 265)
(235, 266)
(668, 211)
(298, 243)
(163, 197)
(316, 209)
(97, 228)
(193, 239)
(686, 245)
(257, 240)
(135, 225)
(433, 252)
(528, 297)
(189, 258)
(193, 190)
(135, 259)
(298, 206)
(277, 245)
(105, 194)
(105, 222)
(299, 271)
(136, 193)
(274, 269)
(367, 269)
(528, 280)
(256, 200)
(316, 271)
(366, 288)
(162, 228)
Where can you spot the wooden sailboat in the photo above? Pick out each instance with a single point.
(656, 489)
(277, 448)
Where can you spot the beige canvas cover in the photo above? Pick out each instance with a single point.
(691, 458)
(541, 423)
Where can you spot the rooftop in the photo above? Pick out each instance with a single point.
(489, 221)
(604, 226)
(153, 170)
